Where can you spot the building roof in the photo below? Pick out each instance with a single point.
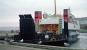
(82, 20)
(50, 20)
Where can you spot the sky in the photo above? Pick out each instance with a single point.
(10, 9)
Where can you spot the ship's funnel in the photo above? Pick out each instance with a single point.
(38, 16)
(66, 15)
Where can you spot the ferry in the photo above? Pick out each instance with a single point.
(52, 30)
(58, 29)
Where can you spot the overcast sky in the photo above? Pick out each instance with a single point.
(10, 9)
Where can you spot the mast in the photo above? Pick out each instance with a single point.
(54, 7)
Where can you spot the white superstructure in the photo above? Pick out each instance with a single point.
(72, 25)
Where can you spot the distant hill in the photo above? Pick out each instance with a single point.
(8, 28)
